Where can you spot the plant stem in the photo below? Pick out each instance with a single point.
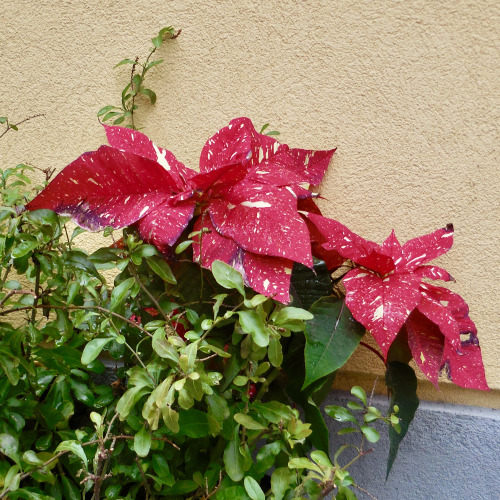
(265, 386)
(368, 346)
(133, 272)
(10, 127)
(356, 458)
(37, 289)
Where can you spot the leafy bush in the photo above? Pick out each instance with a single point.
(222, 319)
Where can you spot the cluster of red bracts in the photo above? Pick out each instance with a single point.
(252, 200)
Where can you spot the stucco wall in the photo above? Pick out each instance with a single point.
(408, 91)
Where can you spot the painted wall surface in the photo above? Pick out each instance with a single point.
(408, 91)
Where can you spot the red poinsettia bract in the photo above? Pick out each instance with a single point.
(385, 293)
(246, 195)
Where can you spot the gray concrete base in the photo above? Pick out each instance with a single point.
(451, 452)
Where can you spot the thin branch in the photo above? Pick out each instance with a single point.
(37, 288)
(327, 489)
(373, 390)
(143, 477)
(365, 492)
(149, 294)
(208, 357)
(368, 346)
(357, 457)
(10, 127)
(14, 292)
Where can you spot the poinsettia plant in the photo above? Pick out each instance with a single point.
(233, 301)
(249, 207)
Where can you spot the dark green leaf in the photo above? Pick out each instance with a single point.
(159, 266)
(331, 338)
(82, 392)
(93, 349)
(73, 447)
(401, 380)
(340, 414)
(120, 293)
(309, 285)
(181, 487)
(233, 459)
(194, 423)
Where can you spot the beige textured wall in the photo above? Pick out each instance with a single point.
(407, 90)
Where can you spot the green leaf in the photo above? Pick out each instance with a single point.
(233, 459)
(171, 419)
(82, 392)
(280, 480)
(253, 489)
(137, 81)
(157, 41)
(23, 248)
(154, 63)
(331, 338)
(93, 349)
(9, 446)
(120, 293)
(252, 323)
(13, 285)
(345, 493)
(309, 285)
(321, 458)
(401, 380)
(163, 347)
(274, 411)
(142, 442)
(143, 251)
(105, 110)
(12, 478)
(150, 94)
(248, 422)
(73, 447)
(10, 369)
(359, 393)
(370, 434)
(160, 267)
(123, 61)
(181, 487)
(227, 276)
(291, 313)
(303, 463)
(182, 246)
(194, 423)
(352, 405)
(340, 414)
(275, 352)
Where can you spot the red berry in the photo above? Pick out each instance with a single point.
(252, 391)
